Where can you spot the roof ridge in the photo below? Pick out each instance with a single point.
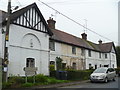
(23, 9)
(68, 33)
(72, 39)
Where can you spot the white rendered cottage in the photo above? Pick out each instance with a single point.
(28, 44)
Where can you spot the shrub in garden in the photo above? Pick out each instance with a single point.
(6, 85)
(41, 78)
(27, 84)
(16, 79)
(52, 67)
(78, 74)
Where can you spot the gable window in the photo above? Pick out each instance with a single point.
(52, 45)
(99, 54)
(73, 50)
(89, 53)
(82, 52)
(105, 55)
(30, 62)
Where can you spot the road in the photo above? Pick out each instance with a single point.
(110, 84)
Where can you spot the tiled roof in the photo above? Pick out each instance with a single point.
(64, 37)
(106, 47)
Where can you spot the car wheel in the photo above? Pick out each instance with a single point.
(106, 80)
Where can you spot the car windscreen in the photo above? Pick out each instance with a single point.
(100, 70)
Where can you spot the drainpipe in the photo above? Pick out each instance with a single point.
(110, 60)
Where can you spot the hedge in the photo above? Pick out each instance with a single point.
(74, 74)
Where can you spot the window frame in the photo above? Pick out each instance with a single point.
(30, 62)
(52, 45)
(74, 65)
(73, 50)
(106, 56)
(100, 55)
(89, 53)
(82, 51)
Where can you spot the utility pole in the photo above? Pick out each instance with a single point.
(5, 60)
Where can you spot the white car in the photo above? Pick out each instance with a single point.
(103, 74)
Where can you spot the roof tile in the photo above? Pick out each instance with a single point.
(64, 37)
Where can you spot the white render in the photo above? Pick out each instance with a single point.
(93, 60)
(28, 38)
(96, 60)
(19, 48)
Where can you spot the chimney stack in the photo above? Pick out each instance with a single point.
(51, 23)
(100, 42)
(84, 36)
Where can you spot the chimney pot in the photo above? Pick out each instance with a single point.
(51, 23)
(84, 36)
(100, 41)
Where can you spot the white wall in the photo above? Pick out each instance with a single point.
(93, 60)
(96, 60)
(57, 52)
(19, 50)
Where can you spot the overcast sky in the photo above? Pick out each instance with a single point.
(101, 16)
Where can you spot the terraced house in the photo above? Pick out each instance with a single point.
(34, 43)
(79, 53)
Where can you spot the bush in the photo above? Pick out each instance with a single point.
(78, 75)
(30, 79)
(27, 84)
(52, 67)
(41, 78)
(75, 74)
(16, 80)
(6, 85)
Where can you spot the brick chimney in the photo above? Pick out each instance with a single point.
(84, 36)
(51, 23)
(100, 42)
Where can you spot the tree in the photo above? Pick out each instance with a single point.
(118, 55)
(59, 63)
